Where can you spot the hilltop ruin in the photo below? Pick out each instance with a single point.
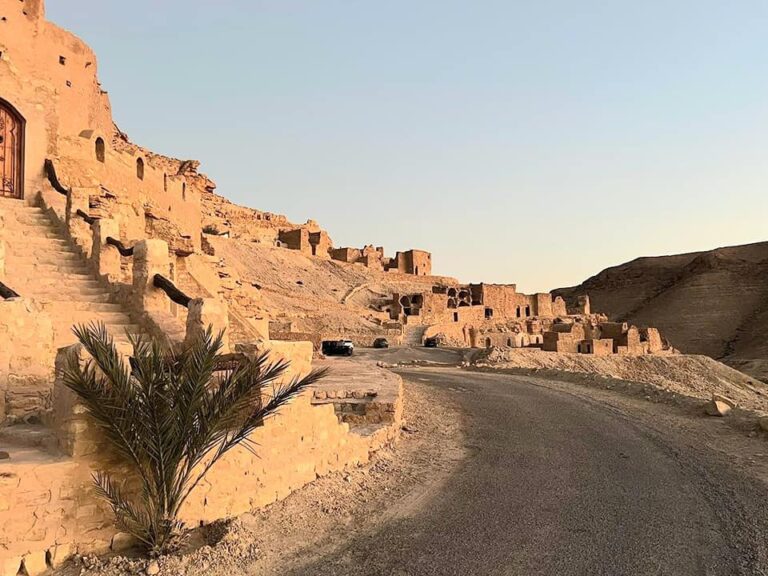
(96, 228)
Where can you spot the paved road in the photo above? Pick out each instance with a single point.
(558, 484)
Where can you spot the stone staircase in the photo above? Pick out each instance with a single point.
(41, 264)
(413, 335)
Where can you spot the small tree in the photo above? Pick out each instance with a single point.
(171, 415)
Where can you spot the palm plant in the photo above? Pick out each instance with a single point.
(171, 415)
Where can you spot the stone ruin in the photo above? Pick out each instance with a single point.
(96, 228)
(486, 315)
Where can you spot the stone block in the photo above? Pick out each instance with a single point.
(10, 566)
(122, 541)
(205, 312)
(150, 257)
(717, 408)
(106, 258)
(35, 563)
(59, 554)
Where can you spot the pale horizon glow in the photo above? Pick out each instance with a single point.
(533, 143)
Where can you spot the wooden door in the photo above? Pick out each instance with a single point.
(11, 152)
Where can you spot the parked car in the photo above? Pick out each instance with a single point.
(380, 343)
(433, 342)
(338, 347)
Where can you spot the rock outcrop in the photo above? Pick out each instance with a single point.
(713, 303)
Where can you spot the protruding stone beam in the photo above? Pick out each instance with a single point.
(6, 293)
(50, 172)
(170, 289)
(124, 250)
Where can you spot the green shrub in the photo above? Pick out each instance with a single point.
(171, 415)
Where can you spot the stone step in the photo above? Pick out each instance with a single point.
(32, 228)
(35, 232)
(58, 241)
(31, 217)
(26, 269)
(34, 246)
(64, 336)
(27, 436)
(41, 283)
(35, 254)
(12, 202)
(61, 257)
(51, 294)
(86, 306)
(81, 297)
(60, 316)
(14, 210)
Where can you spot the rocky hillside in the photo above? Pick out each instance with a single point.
(713, 303)
(313, 295)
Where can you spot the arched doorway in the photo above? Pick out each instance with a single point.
(11, 152)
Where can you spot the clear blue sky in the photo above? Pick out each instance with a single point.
(533, 142)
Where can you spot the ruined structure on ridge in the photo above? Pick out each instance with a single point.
(485, 315)
(94, 228)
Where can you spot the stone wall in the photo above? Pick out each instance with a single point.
(48, 508)
(416, 262)
(26, 359)
(49, 77)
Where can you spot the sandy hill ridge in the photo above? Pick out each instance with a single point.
(316, 295)
(713, 302)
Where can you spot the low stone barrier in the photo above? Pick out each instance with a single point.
(48, 506)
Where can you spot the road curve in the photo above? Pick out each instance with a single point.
(557, 484)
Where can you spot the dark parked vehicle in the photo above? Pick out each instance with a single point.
(380, 343)
(433, 342)
(338, 347)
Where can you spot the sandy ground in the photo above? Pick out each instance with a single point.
(679, 374)
(315, 519)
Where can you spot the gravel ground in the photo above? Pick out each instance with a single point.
(683, 374)
(574, 480)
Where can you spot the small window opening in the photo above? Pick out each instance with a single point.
(100, 149)
(140, 169)
(63, 60)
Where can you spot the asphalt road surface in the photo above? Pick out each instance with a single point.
(554, 484)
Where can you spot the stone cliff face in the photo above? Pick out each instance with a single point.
(713, 303)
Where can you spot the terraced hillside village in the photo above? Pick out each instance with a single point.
(96, 229)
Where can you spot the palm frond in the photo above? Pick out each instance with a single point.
(171, 416)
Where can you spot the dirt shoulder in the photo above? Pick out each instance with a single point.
(667, 376)
(315, 519)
